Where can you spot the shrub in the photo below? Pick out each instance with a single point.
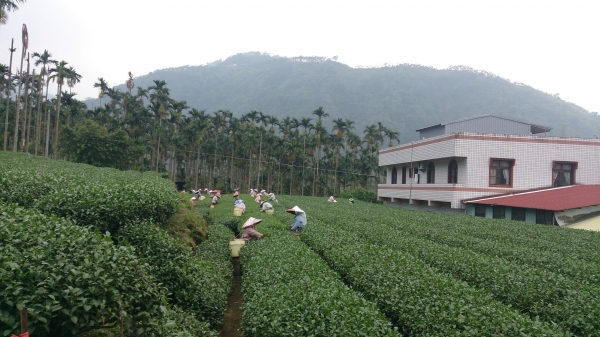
(70, 278)
(196, 286)
(360, 194)
(101, 197)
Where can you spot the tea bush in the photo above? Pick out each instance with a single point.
(70, 278)
(536, 291)
(195, 285)
(101, 197)
(289, 291)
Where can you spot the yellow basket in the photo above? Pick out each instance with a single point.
(237, 211)
(270, 211)
(235, 245)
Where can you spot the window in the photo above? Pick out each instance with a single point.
(563, 174)
(394, 175)
(499, 212)
(518, 214)
(501, 172)
(452, 172)
(431, 173)
(480, 210)
(544, 217)
(404, 174)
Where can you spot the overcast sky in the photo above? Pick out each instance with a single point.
(553, 46)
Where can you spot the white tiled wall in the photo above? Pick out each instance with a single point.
(533, 158)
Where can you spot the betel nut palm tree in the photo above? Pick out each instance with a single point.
(45, 60)
(60, 74)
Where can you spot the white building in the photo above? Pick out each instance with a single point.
(484, 156)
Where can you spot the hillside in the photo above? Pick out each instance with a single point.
(404, 97)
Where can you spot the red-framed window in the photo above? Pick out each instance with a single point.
(563, 173)
(452, 172)
(501, 172)
(404, 174)
(430, 173)
(394, 175)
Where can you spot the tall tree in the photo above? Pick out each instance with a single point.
(60, 74)
(45, 60)
(320, 113)
(103, 86)
(25, 40)
(8, 87)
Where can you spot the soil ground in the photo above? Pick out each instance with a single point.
(232, 322)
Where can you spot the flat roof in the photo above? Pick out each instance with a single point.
(535, 128)
(550, 199)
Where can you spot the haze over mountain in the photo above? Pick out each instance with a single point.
(403, 97)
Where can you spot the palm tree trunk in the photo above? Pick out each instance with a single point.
(47, 145)
(158, 144)
(25, 130)
(57, 121)
(38, 126)
(8, 96)
(303, 161)
(17, 107)
(259, 158)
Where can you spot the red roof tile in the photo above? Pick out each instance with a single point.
(552, 199)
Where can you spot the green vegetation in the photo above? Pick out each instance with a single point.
(404, 97)
(187, 225)
(359, 269)
(104, 198)
(70, 278)
(75, 280)
(536, 289)
(288, 290)
(359, 194)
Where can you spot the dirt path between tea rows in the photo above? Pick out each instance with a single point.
(232, 322)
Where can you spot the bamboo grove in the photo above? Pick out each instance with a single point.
(146, 129)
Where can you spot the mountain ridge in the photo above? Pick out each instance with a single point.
(404, 97)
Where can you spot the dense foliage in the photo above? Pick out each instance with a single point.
(288, 290)
(70, 278)
(104, 198)
(359, 194)
(196, 286)
(168, 290)
(534, 285)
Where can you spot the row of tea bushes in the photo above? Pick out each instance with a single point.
(418, 298)
(445, 229)
(579, 270)
(198, 286)
(564, 243)
(101, 197)
(534, 291)
(288, 290)
(73, 280)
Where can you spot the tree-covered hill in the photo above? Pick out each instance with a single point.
(403, 97)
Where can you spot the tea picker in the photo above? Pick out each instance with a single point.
(265, 206)
(249, 231)
(299, 218)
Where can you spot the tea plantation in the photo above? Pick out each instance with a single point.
(82, 249)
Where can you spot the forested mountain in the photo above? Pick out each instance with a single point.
(403, 97)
